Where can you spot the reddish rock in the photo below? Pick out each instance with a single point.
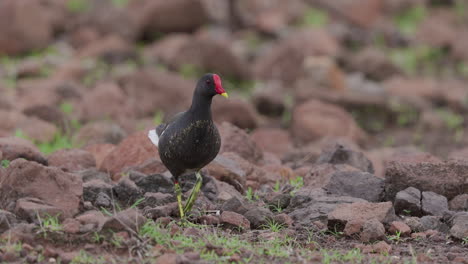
(270, 16)
(13, 148)
(38, 130)
(228, 170)
(399, 227)
(31, 209)
(274, 140)
(234, 111)
(110, 48)
(315, 120)
(445, 178)
(95, 219)
(353, 227)
(167, 258)
(128, 219)
(364, 13)
(319, 175)
(414, 89)
(233, 139)
(133, 150)
(272, 173)
(438, 30)
(140, 88)
(179, 50)
(72, 160)
(343, 213)
(100, 152)
(51, 185)
(285, 60)
(167, 17)
(100, 132)
(459, 203)
(106, 100)
(375, 63)
(226, 191)
(71, 226)
(24, 26)
(234, 220)
(268, 100)
(209, 220)
(382, 247)
(284, 219)
(372, 230)
(150, 166)
(51, 114)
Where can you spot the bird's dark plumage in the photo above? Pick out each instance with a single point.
(191, 140)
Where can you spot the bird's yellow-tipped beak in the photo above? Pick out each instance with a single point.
(225, 95)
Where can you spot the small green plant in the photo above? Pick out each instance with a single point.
(396, 237)
(277, 186)
(418, 59)
(49, 224)
(85, 258)
(78, 6)
(314, 17)
(251, 195)
(276, 207)
(297, 183)
(273, 226)
(158, 117)
(465, 241)
(116, 240)
(137, 202)
(454, 122)
(406, 211)
(97, 238)
(409, 20)
(5, 163)
(120, 3)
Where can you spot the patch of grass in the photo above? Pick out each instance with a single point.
(84, 258)
(251, 195)
(137, 202)
(49, 224)
(78, 6)
(59, 142)
(120, 3)
(273, 226)
(5, 163)
(314, 17)
(395, 238)
(461, 8)
(418, 59)
(297, 183)
(158, 117)
(409, 20)
(453, 121)
(405, 114)
(277, 186)
(465, 241)
(333, 256)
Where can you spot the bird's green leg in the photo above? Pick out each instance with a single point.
(178, 191)
(193, 195)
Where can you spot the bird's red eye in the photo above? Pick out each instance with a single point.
(208, 81)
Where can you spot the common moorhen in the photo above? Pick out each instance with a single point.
(190, 140)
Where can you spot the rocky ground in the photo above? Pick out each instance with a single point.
(343, 140)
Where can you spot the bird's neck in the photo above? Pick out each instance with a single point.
(201, 107)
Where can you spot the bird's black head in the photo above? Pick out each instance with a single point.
(210, 85)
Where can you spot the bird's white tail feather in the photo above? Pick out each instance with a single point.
(153, 136)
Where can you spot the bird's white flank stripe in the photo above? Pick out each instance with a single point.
(153, 136)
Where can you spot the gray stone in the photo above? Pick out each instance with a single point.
(234, 205)
(356, 184)
(372, 230)
(408, 201)
(96, 188)
(156, 183)
(126, 191)
(7, 220)
(430, 222)
(433, 203)
(310, 205)
(340, 154)
(414, 223)
(258, 217)
(459, 203)
(460, 226)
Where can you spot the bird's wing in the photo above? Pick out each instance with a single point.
(155, 134)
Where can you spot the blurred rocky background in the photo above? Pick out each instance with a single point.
(361, 99)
